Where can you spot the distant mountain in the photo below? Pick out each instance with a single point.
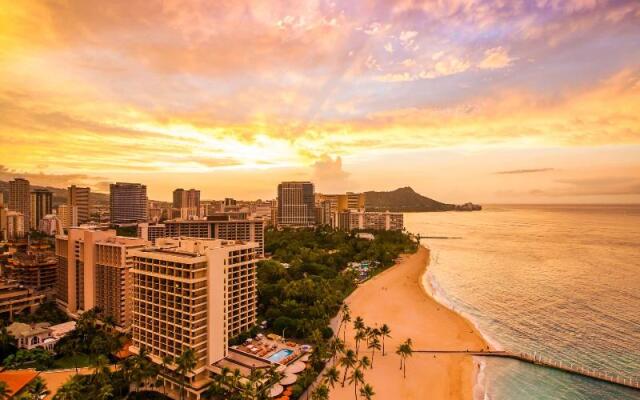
(406, 199)
(59, 195)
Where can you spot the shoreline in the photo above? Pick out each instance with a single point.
(399, 298)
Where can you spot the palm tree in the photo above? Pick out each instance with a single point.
(364, 363)
(38, 389)
(374, 345)
(336, 346)
(5, 391)
(101, 369)
(320, 393)
(358, 324)
(332, 376)
(349, 360)
(166, 361)
(346, 318)
(356, 377)
(360, 336)
(185, 365)
(367, 392)
(105, 392)
(404, 350)
(385, 331)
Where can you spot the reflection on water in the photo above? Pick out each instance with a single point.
(563, 281)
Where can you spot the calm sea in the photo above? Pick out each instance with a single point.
(563, 281)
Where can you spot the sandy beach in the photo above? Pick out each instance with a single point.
(396, 297)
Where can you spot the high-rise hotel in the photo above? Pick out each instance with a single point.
(128, 203)
(20, 199)
(192, 294)
(80, 197)
(41, 205)
(94, 271)
(296, 204)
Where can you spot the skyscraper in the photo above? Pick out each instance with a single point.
(68, 215)
(41, 205)
(19, 198)
(80, 197)
(192, 294)
(296, 204)
(128, 203)
(187, 202)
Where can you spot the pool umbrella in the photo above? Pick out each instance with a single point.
(276, 390)
(289, 379)
(296, 367)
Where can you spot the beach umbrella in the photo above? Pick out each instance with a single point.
(276, 390)
(289, 379)
(305, 358)
(296, 367)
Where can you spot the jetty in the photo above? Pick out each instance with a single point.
(537, 359)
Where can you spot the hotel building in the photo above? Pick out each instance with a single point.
(366, 220)
(220, 226)
(19, 198)
(296, 204)
(35, 269)
(94, 271)
(187, 203)
(12, 226)
(68, 215)
(41, 205)
(193, 294)
(128, 203)
(80, 197)
(151, 232)
(15, 298)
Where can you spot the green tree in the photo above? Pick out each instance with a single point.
(5, 391)
(404, 351)
(367, 392)
(385, 331)
(355, 378)
(374, 345)
(348, 361)
(37, 389)
(71, 390)
(332, 376)
(320, 393)
(186, 362)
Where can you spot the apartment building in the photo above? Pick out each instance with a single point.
(193, 294)
(80, 198)
(366, 220)
(296, 204)
(221, 226)
(20, 198)
(68, 215)
(151, 232)
(15, 298)
(94, 271)
(12, 226)
(33, 270)
(128, 203)
(41, 205)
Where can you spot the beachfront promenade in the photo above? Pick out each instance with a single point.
(630, 382)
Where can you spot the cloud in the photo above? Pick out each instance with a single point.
(495, 58)
(329, 175)
(524, 171)
(43, 178)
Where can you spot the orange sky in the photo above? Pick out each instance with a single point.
(489, 101)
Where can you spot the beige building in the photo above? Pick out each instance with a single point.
(187, 203)
(151, 232)
(366, 220)
(217, 227)
(20, 198)
(128, 203)
(12, 226)
(193, 294)
(94, 271)
(68, 215)
(15, 298)
(80, 198)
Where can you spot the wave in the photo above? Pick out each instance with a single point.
(435, 290)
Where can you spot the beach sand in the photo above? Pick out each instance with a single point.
(396, 297)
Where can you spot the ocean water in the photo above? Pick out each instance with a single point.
(561, 281)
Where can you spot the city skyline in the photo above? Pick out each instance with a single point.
(532, 102)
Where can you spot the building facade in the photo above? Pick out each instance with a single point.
(20, 198)
(68, 215)
(80, 197)
(94, 271)
(193, 294)
(128, 203)
(15, 298)
(366, 220)
(151, 232)
(296, 204)
(248, 230)
(12, 225)
(41, 205)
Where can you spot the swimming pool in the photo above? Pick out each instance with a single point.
(279, 355)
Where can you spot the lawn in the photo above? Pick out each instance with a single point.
(80, 360)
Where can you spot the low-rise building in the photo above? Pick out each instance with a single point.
(42, 335)
(16, 298)
(367, 220)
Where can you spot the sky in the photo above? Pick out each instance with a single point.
(505, 101)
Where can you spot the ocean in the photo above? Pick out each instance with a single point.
(561, 281)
